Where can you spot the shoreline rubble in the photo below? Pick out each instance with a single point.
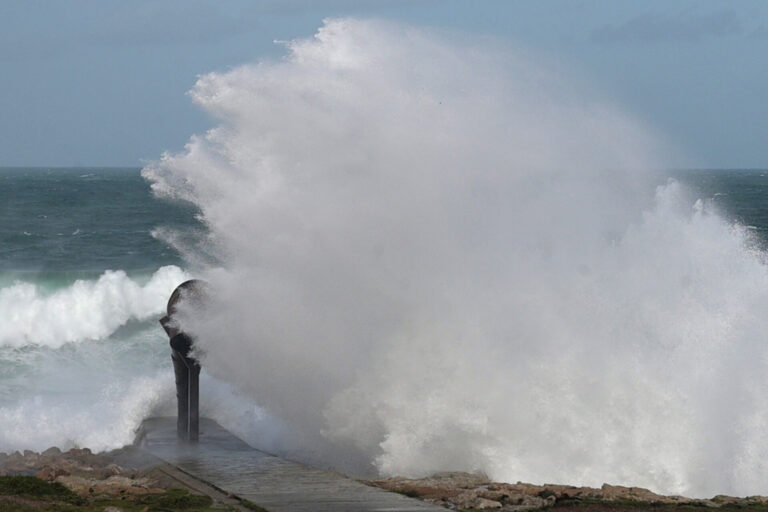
(85, 473)
(468, 491)
(111, 474)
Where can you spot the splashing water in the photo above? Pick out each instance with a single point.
(82, 366)
(438, 256)
(87, 310)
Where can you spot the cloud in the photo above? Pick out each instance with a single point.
(685, 26)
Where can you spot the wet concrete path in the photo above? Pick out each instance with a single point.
(278, 485)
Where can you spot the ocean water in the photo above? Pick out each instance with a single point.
(82, 284)
(740, 194)
(82, 357)
(84, 279)
(67, 223)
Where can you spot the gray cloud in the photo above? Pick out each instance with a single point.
(685, 26)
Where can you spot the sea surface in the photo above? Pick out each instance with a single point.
(741, 195)
(58, 225)
(83, 281)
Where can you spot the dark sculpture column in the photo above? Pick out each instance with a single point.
(186, 368)
(187, 372)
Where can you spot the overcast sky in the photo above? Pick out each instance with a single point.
(103, 82)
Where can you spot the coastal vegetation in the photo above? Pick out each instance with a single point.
(29, 493)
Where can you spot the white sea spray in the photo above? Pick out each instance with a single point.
(85, 310)
(439, 256)
(69, 376)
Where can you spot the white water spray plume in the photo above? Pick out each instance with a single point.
(436, 255)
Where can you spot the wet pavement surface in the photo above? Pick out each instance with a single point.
(278, 485)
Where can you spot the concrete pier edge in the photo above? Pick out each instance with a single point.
(244, 476)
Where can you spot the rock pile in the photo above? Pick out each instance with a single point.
(86, 473)
(464, 491)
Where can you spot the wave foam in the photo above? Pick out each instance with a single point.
(428, 267)
(106, 421)
(86, 310)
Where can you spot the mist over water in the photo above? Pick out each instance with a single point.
(437, 255)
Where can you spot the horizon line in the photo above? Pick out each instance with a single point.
(108, 167)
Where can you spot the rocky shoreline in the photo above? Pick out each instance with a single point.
(465, 491)
(85, 473)
(120, 481)
(124, 475)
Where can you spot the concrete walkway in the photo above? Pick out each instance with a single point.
(278, 485)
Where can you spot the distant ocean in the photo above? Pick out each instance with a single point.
(83, 282)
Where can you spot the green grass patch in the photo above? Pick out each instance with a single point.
(28, 493)
(33, 488)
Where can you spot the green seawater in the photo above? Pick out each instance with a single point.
(62, 224)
